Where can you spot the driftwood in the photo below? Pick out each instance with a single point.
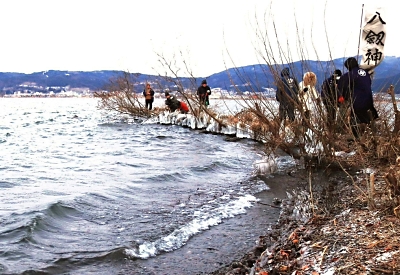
(274, 206)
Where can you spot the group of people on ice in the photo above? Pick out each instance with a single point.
(172, 103)
(351, 90)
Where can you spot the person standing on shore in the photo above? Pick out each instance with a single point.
(286, 95)
(308, 96)
(356, 86)
(148, 94)
(203, 93)
(331, 96)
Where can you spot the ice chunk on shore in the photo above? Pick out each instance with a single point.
(266, 166)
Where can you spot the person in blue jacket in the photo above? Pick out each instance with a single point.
(355, 85)
(287, 95)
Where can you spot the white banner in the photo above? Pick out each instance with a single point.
(372, 40)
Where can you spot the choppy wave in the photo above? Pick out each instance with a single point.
(180, 236)
(38, 220)
(79, 193)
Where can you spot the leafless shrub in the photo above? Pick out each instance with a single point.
(119, 96)
(310, 135)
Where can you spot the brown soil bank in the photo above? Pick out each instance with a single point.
(330, 230)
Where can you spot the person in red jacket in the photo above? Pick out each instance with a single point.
(174, 104)
(184, 108)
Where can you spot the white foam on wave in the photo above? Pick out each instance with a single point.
(180, 236)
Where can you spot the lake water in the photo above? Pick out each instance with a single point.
(82, 192)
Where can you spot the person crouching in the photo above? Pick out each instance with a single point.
(174, 104)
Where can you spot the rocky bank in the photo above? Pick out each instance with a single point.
(326, 227)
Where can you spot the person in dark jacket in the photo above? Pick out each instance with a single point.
(148, 94)
(203, 92)
(355, 85)
(331, 96)
(286, 95)
(174, 104)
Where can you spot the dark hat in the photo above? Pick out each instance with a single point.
(351, 63)
(337, 72)
(204, 82)
(166, 94)
(285, 72)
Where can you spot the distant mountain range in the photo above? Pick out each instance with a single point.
(386, 74)
(247, 78)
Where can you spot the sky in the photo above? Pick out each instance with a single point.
(182, 37)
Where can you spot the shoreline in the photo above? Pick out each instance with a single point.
(326, 201)
(334, 234)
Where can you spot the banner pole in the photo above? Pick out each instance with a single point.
(359, 36)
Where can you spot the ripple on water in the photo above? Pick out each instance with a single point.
(169, 176)
(6, 184)
(84, 202)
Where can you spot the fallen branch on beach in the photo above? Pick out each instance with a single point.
(274, 206)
